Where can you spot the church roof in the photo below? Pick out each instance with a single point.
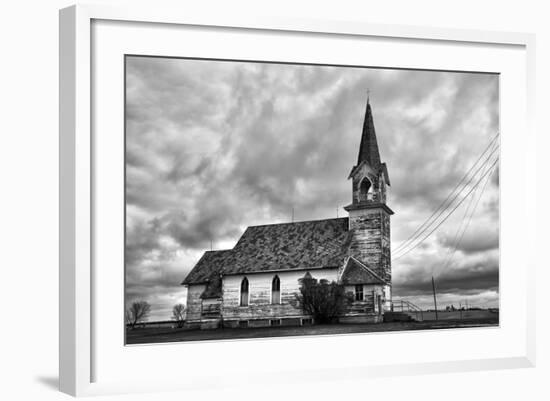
(208, 267)
(287, 246)
(368, 150)
(356, 272)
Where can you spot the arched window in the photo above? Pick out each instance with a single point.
(276, 290)
(364, 188)
(244, 292)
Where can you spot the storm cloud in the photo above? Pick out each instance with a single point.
(213, 147)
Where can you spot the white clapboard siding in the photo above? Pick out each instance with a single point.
(260, 304)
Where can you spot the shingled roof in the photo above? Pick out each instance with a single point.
(208, 267)
(287, 246)
(368, 149)
(356, 272)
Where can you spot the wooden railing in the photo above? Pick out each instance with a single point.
(406, 307)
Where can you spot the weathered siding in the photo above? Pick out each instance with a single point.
(260, 308)
(371, 239)
(385, 256)
(387, 297)
(211, 308)
(194, 301)
(259, 303)
(368, 304)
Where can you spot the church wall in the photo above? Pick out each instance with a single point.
(368, 305)
(385, 256)
(194, 301)
(259, 304)
(260, 310)
(387, 297)
(371, 239)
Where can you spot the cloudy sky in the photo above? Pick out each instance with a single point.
(213, 147)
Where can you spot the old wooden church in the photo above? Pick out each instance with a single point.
(254, 284)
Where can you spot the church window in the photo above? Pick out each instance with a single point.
(364, 189)
(359, 292)
(276, 290)
(244, 292)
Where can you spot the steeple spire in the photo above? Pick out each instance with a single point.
(369, 175)
(369, 215)
(368, 150)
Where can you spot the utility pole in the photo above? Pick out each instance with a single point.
(460, 309)
(293, 215)
(435, 300)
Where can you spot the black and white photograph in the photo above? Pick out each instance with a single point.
(270, 199)
(275, 201)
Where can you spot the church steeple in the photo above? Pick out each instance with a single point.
(369, 216)
(368, 150)
(369, 176)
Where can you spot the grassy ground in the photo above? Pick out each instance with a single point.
(161, 335)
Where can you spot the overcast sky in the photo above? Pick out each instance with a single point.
(214, 147)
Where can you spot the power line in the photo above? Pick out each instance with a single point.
(420, 232)
(462, 227)
(458, 230)
(448, 261)
(451, 212)
(403, 244)
(445, 204)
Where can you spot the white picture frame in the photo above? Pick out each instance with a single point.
(80, 346)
